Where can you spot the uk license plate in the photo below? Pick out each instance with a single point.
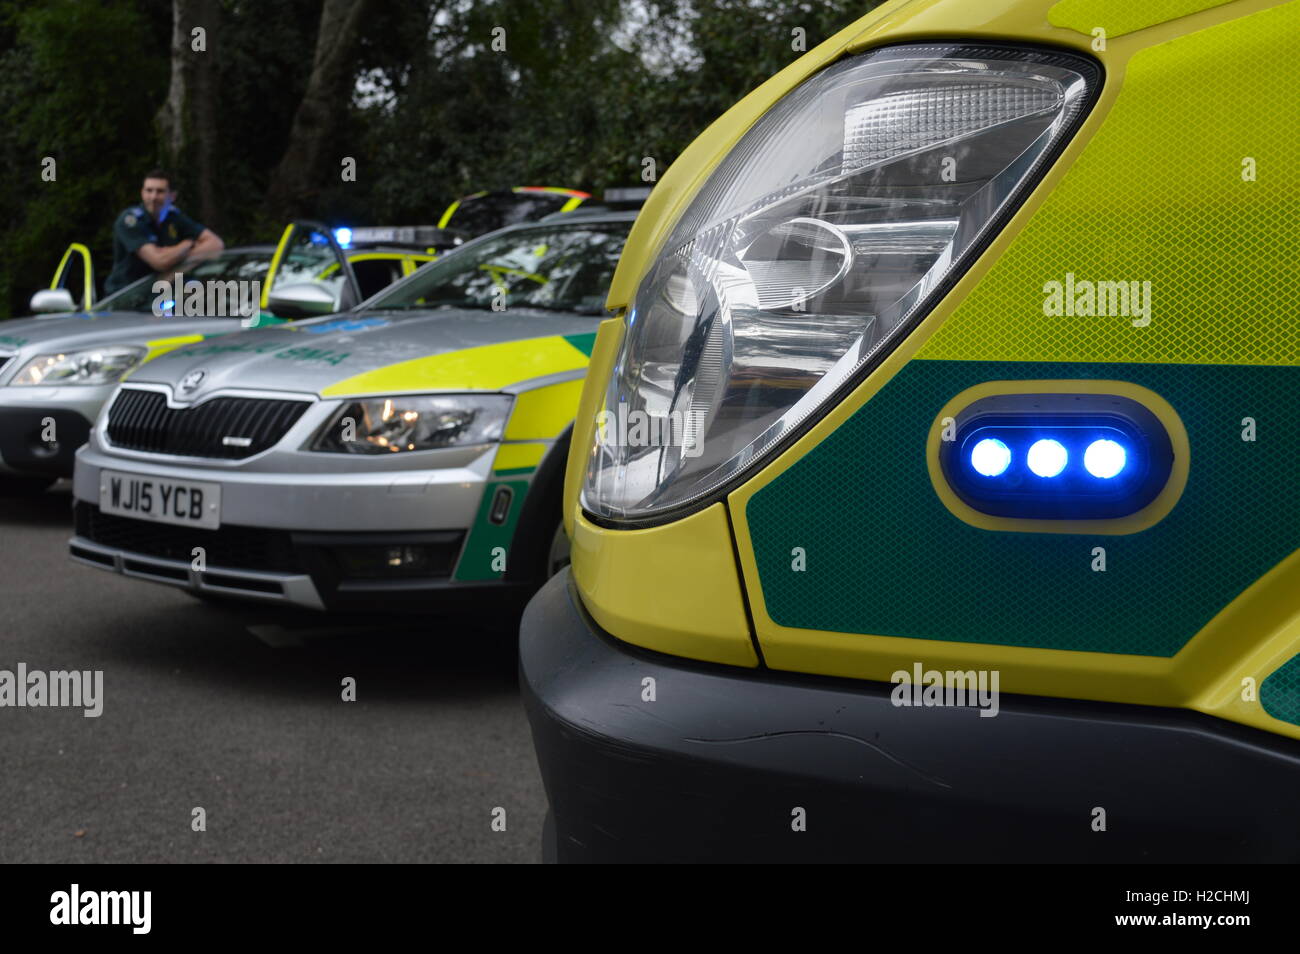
(188, 503)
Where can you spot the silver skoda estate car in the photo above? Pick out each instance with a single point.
(58, 369)
(402, 456)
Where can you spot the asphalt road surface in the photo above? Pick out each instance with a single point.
(239, 712)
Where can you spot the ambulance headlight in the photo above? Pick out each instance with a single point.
(88, 367)
(813, 248)
(391, 425)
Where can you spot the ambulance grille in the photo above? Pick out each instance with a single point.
(227, 427)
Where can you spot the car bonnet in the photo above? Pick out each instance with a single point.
(383, 353)
(70, 332)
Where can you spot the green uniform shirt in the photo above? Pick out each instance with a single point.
(134, 229)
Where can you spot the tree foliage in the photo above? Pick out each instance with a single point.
(582, 93)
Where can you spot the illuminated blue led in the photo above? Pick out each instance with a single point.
(1047, 458)
(343, 235)
(1105, 459)
(1068, 457)
(990, 457)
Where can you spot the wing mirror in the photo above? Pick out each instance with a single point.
(51, 300)
(303, 300)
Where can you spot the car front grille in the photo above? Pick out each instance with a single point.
(225, 427)
(230, 547)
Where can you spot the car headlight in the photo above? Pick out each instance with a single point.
(817, 243)
(90, 366)
(390, 425)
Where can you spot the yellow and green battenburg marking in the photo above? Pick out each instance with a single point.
(537, 419)
(517, 459)
(1212, 368)
(1279, 694)
(162, 345)
(485, 368)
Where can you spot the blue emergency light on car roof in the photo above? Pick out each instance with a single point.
(343, 235)
(1057, 456)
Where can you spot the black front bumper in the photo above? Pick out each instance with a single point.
(24, 448)
(716, 767)
(252, 562)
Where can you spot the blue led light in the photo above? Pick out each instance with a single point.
(1057, 456)
(990, 457)
(1105, 459)
(1047, 458)
(343, 235)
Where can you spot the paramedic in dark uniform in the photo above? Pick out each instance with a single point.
(155, 236)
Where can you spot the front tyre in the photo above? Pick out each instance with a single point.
(558, 557)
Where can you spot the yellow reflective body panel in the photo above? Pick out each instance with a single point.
(1116, 17)
(672, 588)
(162, 345)
(1156, 186)
(518, 458)
(544, 412)
(485, 368)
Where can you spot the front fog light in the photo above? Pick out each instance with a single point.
(433, 555)
(831, 227)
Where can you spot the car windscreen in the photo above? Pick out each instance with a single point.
(238, 265)
(555, 267)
